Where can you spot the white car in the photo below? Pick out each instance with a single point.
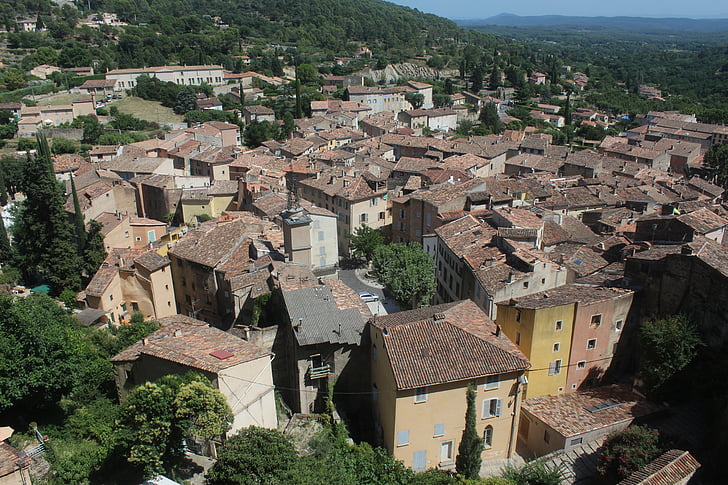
(368, 297)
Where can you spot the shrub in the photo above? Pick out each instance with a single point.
(627, 451)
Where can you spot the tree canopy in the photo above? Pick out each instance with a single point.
(407, 272)
(470, 450)
(667, 346)
(364, 241)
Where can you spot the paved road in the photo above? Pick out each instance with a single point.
(383, 307)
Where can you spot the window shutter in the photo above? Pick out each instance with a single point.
(403, 437)
(552, 368)
(498, 406)
(439, 429)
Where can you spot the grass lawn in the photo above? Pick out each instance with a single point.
(65, 98)
(146, 110)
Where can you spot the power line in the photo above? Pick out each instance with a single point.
(369, 393)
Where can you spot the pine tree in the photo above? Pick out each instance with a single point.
(42, 235)
(469, 458)
(78, 219)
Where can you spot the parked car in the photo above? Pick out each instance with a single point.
(368, 297)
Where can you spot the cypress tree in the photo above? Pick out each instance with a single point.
(469, 458)
(94, 252)
(78, 219)
(42, 234)
(4, 243)
(3, 190)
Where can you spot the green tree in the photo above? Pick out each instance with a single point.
(259, 131)
(627, 451)
(489, 118)
(364, 241)
(307, 74)
(62, 145)
(253, 456)
(717, 160)
(415, 99)
(94, 252)
(78, 219)
(145, 431)
(137, 329)
(5, 249)
(667, 345)
(441, 100)
(203, 411)
(185, 100)
(470, 450)
(495, 78)
(41, 233)
(44, 355)
(407, 272)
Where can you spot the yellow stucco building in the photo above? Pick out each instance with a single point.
(543, 333)
(422, 362)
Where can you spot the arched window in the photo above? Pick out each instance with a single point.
(488, 436)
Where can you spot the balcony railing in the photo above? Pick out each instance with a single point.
(319, 372)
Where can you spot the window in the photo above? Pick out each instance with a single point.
(403, 437)
(518, 315)
(591, 344)
(401, 213)
(525, 284)
(492, 407)
(575, 441)
(596, 320)
(134, 306)
(546, 436)
(364, 218)
(581, 364)
(151, 236)
(518, 338)
(420, 394)
(381, 216)
(419, 460)
(555, 367)
(491, 382)
(418, 214)
(375, 392)
(439, 430)
(618, 325)
(111, 297)
(557, 347)
(321, 235)
(374, 352)
(488, 436)
(559, 325)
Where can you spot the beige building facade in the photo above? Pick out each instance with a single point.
(419, 383)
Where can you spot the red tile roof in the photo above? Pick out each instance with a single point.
(446, 343)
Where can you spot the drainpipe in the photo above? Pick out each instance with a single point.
(514, 423)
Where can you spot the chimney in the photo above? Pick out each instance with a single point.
(178, 332)
(246, 332)
(510, 277)
(145, 341)
(498, 331)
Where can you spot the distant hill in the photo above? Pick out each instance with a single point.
(603, 23)
(322, 23)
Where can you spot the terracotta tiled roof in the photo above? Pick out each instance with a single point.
(568, 294)
(703, 220)
(458, 345)
(12, 460)
(568, 414)
(673, 466)
(192, 345)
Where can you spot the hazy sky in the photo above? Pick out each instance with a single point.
(461, 9)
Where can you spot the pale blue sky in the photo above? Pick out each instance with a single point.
(461, 9)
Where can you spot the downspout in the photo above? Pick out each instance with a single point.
(514, 423)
